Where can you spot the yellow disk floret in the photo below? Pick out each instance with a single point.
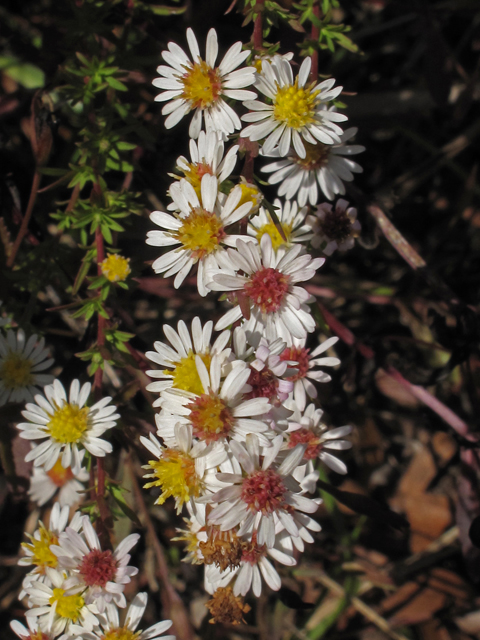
(175, 474)
(121, 633)
(201, 232)
(274, 233)
(250, 193)
(69, 423)
(40, 549)
(194, 174)
(185, 374)
(316, 156)
(16, 371)
(201, 85)
(295, 106)
(67, 606)
(116, 268)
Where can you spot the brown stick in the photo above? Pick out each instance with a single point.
(37, 176)
(315, 32)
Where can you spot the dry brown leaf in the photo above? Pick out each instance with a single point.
(394, 390)
(421, 604)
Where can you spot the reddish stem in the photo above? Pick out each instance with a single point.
(258, 27)
(28, 214)
(315, 32)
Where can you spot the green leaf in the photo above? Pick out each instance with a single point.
(116, 84)
(164, 10)
(116, 493)
(25, 73)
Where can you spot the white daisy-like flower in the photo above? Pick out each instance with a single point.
(67, 481)
(328, 165)
(306, 364)
(182, 471)
(203, 87)
(298, 111)
(269, 289)
(309, 430)
(102, 575)
(37, 552)
(267, 370)
(32, 633)
(259, 59)
(199, 229)
(263, 495)
(206, 155)
(253, 566)
(221, 412)
(57, 608)
(250, 193)
(21, 364)
(111, 629)
(295, 224)
(335, 228)
(177, 362)
(67, 426)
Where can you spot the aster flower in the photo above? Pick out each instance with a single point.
(177, 362)
(267, 370)
(269, 288)
(298, 111)
(250, 193)
(111, 628)
(57, 608)
(101, 575)
(32, 633)
(66, 426)
(335, 228)
(306, 364)
(295, 224)
(37, 552)
(220, 412)
(253, 566)
(199, 229)
(67, 481)
(263, 495)
(309, 430)
(115, 267)
(203, 87)
(21, 364)
(182, 470)
(322, 164)
(206, 155)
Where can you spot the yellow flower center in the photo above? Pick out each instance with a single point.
(210, 417)
(42, 556)
(175, 474)
(295, 106)
(185, 374)
(122, 633)
(69, 423)
(201, 232)
(67, 606)
(316, 156)
(195, 173)
(201, 85)
(274, 233)
(250, 193)
(59, 475)
(16, 371)
(116, 268)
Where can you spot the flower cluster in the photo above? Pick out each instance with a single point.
(237, 444)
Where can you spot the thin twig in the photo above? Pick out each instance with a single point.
(37, 176)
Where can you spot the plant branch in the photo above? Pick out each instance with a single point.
(37, 176)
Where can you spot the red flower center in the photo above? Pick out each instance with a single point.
(264, 384)
(252, 552)
(211, 418)
(98, 568)
(301, 357)
(264, 491)
(267, 288)
(305, 436)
